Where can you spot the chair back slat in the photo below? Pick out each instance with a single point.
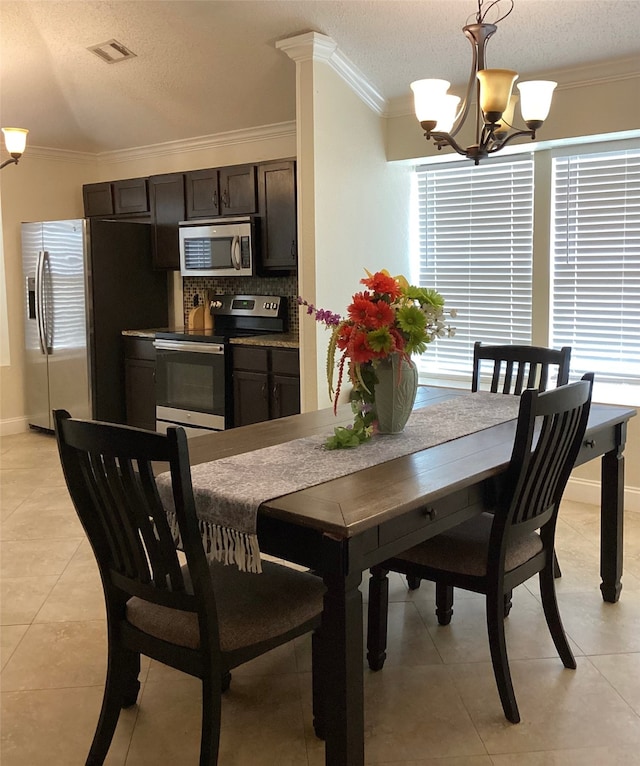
(549, 434)
(513, 369)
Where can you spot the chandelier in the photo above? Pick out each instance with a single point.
(442, 116)
(15, 140)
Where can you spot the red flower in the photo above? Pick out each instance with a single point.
(359, 350)
(342, 340)
(383, 284)
(360, 310)
(380, 314)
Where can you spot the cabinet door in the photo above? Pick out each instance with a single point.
(130, 196)
(140, 386)
(278, 218)
(238, 190)
(202, 193)
(250, 397)
(285, 396)
(167, 209)
(98, 199)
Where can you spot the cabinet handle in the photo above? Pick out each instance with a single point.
(276, 392)
(225, 198)
(430, 513)
(293, 248)
(215, 198)
(264, 391)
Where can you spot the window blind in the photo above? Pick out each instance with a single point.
(596, 263)
(475, 239)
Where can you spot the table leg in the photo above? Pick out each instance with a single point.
(341, 638)
(612, 521)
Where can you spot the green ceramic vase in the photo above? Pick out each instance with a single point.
(395, 393)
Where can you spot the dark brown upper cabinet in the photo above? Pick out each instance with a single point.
(203, 193)
(98, 199)
(167, 202)
(130, 196)
(238, 190)
(278, 215)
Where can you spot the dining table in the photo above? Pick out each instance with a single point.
(341, 527)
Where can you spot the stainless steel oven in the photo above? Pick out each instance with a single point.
(194, 386)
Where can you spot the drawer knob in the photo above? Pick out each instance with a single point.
(590, 443)
(430, 513)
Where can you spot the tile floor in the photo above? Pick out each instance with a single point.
(434, 704)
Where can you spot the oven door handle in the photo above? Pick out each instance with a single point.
(197, 348)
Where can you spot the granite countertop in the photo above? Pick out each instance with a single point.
(275, 340)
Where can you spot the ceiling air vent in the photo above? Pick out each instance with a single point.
(112, 51)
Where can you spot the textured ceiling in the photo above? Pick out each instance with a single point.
(211, 66)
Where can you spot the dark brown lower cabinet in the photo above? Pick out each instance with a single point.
(266, 384)
(140, 382)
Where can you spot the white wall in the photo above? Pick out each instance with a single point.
(356, 204)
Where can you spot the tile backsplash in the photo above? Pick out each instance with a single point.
(285, 286)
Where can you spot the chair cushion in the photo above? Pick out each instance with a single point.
(251, 607)
(463, 549)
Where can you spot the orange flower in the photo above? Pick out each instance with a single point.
(382, 283)
(344, 336)
(359, 350)
(381, 314)
(360, 309)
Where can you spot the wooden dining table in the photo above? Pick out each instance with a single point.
(342, 527)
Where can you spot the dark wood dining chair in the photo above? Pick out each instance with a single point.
(493, 553)
(203, 619)
(516, 368)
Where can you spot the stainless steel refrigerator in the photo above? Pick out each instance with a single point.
(86, 280)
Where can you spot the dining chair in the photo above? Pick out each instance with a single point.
(514, 368)
(492, 553)
(201, 618)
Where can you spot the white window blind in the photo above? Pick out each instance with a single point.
(596, 263)
(475, 235)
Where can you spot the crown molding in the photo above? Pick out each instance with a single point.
(313, 46)
(200, 143)
(57, 155)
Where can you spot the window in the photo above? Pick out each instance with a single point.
(475, 247)
(596, 263)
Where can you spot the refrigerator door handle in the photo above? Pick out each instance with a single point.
(40, 318)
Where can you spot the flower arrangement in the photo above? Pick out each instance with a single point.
(389, 317)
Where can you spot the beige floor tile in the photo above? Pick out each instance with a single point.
(599, 627)
(71, 600)
(465, 638)
(28, 523)
(597, 756)
(57, 655)
(10, 637)
(408, 643)
(22, 597)
(54, 727)
(559, 708)
(623, 673)
(261, 724)
(82, 565)
(464, 760)
(31, 558)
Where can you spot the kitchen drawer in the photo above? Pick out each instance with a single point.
(251, 358)
(597, 443)
(285, 361)
(139, 348)
(430, 515)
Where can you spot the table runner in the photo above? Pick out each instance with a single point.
(228, 492)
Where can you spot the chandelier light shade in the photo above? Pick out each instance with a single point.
(15, 139)
(441, 118)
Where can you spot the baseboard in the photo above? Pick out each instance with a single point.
(11, 426)
(588, 491)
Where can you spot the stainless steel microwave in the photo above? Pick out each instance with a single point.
(218, 247)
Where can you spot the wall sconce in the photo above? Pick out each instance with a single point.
(15, 140)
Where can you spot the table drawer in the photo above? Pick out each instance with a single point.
(597, 443)
(428, 515)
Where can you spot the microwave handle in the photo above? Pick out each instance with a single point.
(235, 253)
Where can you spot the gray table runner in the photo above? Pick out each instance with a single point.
(229, 491)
